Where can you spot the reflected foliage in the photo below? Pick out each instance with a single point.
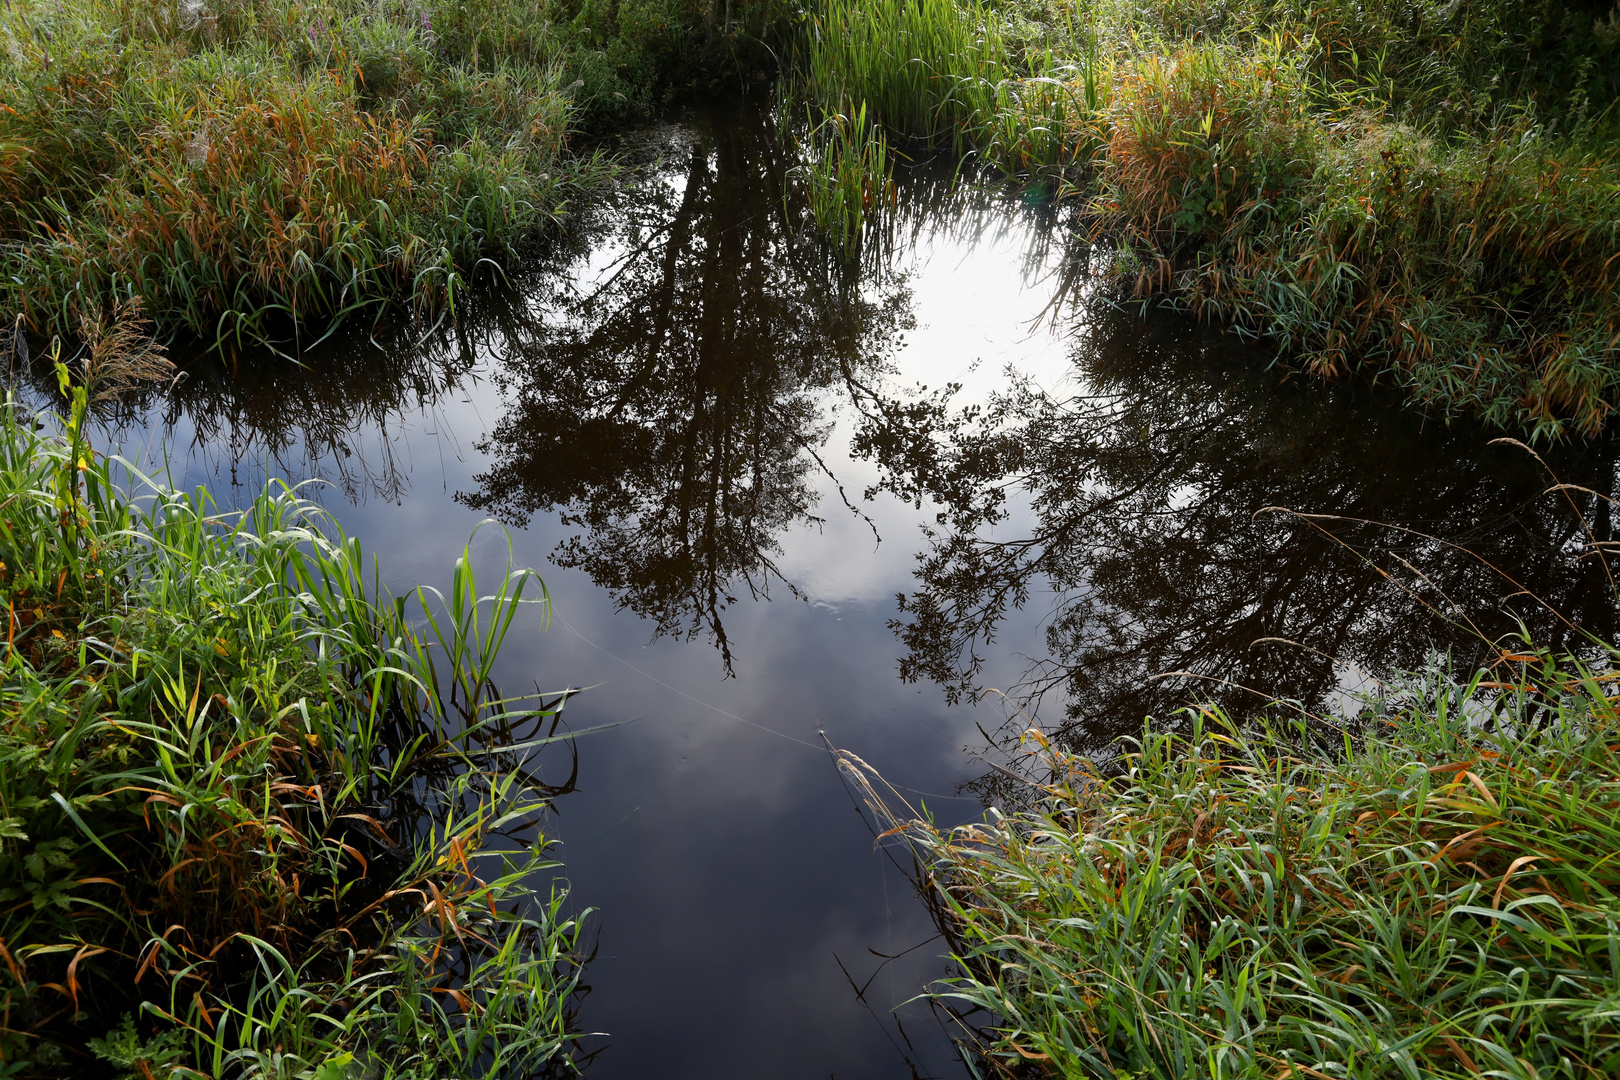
(670, 371)
(341, 413)
(670, 398)
(340, 418)
(1151, 548)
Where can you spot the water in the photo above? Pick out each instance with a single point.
(729, 454)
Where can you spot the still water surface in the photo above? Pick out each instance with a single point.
(780, 501)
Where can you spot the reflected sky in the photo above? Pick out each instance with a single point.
(660, 412)
(1155, 510)
(729, 453)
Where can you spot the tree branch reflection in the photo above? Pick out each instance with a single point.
(1145, 550)
(671, 409)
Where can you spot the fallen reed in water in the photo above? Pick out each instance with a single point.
(1427, 889)
(1426, 193)
(255, 820)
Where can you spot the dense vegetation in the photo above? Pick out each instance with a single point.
(254, 819)
(1422, 191)
(255, 168)
(1426, 889)
(248, 817)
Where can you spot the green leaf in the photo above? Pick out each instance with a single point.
(67, 808)
(334, 1068)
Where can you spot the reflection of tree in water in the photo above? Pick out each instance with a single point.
(337, 411)
(670, 407)
(338, 414)
(1144, 487)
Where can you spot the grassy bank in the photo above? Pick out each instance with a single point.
(1424, 192)
(1427, 889)
(257, 818)
(254, 169)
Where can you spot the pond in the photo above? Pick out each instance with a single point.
(782, 501)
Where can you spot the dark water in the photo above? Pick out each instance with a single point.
(738, 461)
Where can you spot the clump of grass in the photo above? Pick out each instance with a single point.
(264, 165)
(922, 66)
(1427, 889)
(1477, 271)
(248, 801)
(939, 70)
(255, 170)
(847, 177)
(1376, 187)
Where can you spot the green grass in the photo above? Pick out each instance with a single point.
(257, 817)
(1426, 889)
(1423, 193)
(846, 179)
(256, 170)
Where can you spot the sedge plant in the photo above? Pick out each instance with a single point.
(1429, 891)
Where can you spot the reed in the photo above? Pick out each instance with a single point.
(260, 818)
(921, 66)
(939, 70)
(846, 177)
(1425, 889)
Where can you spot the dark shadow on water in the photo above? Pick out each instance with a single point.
(1151, 547)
